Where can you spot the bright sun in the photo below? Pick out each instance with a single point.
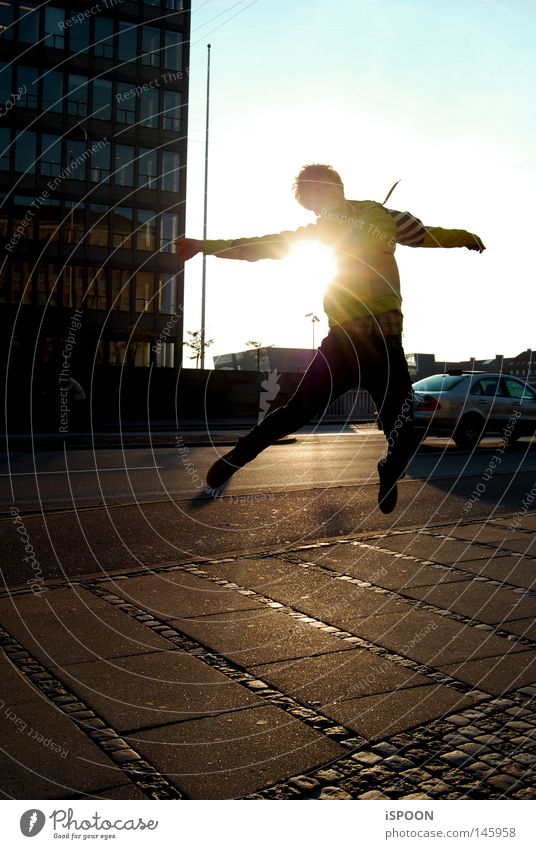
(312, 263)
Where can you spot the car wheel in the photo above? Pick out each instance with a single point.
(469, 432)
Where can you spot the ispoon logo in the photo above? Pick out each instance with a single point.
(31, 822)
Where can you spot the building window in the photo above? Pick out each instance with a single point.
(6, 89)
(54, 34)
(126, 42)
(4, 217)
(173, 50)
(175, 5)
(76, 159)
(27, 78)
(170, 171)
(21, 287)
(96, 297)
(5, 139)
(77, 95)
(121, 285)
(167, 293)
(100, 164)
(74, 228)
(103, 44)
(6, 19)
(169, 231)
(98, 225)
(118, 352)
(126, 104)
(142, 355)
(172, 111)
(122, 227)
(73, 286)
(147, 168)
(144, 291)
(150, 46)
(25, 152)
(146, 230)
(79, 36)
(24, 216)
(50, 220)
(53, 92)
(47, 290)
(102, 100)
(151, 3)
(149, 108)
(29, 22)
(50, 155)
(165, 355)
(124, 166)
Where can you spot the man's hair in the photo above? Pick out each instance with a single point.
(314, 174)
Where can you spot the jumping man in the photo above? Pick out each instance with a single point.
(363, 347)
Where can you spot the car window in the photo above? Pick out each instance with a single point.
(488, 386)
(438, 383)
(517, 389)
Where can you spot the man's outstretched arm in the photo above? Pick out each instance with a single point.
(273, 246)
(412, 232)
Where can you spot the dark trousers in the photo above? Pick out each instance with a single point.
(348, 359)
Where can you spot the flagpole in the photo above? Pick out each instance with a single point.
(204, 275)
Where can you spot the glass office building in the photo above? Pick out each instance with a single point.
(93, 127)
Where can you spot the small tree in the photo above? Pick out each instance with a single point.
(195, 344)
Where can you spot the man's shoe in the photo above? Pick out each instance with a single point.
(388, 491)
(224, 468)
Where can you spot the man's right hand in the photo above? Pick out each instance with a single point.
(187, 248)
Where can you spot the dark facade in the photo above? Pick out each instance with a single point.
(285, 360)
(93, 127)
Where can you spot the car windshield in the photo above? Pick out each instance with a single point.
(438, 383)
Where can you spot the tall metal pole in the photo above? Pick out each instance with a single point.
(204, 274)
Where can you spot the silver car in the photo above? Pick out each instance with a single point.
(469, 405)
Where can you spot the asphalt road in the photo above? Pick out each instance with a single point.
(121, 509)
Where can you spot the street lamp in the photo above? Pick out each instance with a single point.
(314, 318)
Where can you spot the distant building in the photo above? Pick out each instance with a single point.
(285, 360)
(92, 179)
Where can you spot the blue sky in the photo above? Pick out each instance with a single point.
(439, 95)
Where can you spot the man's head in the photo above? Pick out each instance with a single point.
(318, 187)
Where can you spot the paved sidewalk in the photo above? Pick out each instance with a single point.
(394, 665)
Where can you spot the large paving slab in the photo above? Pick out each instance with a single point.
(31, 765)
(16, 687)
(522, 627)
(512, 569)
(477, 600)
(154, 689)
(379, 716)
(234, 754)
(488, 533)
(328, 678)
(72, 625)
(496, 675)
(315, 593)
(179, 595)
(265, 636)
(448, 551)
(391, 571)
(432, 639)
(523, 544)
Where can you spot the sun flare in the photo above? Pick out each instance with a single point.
(312, 263)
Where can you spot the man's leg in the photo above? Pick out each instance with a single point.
(389, 383)
(328, 377)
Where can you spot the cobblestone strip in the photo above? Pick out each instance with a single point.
(347, 637)
(314, 718)
(417, 603)
(146, 778)
(487, 752)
